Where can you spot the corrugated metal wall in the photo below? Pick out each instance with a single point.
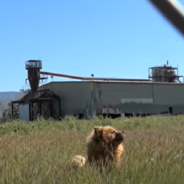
(76, 97)
(129, 97)
(171, 94)
(119, 94)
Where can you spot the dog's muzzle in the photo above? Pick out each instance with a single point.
(120, 136)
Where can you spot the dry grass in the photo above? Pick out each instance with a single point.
(38, 152)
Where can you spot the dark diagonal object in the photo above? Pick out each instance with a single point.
(173, 11)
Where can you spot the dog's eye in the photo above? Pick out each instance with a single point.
(113, 132)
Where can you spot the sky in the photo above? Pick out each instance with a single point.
(120, 38)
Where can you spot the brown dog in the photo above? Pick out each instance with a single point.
(104, 145)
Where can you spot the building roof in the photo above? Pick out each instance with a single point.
(41, 95)
(134, 82)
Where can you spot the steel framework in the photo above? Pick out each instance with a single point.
(42, 103)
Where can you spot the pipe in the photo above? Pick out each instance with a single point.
(173, 11)
(90, 78)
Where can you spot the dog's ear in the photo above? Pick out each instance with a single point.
(97, 131)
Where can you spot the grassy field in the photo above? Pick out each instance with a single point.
(38, 152)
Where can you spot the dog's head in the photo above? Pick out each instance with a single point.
(108, 135)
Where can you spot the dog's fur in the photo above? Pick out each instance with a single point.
(78, 161)
(104, 145)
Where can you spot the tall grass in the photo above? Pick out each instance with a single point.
(39, 152)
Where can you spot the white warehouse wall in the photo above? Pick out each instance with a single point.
(24, 112)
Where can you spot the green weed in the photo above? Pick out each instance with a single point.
(38, 152)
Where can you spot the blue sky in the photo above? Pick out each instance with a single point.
(120, 38)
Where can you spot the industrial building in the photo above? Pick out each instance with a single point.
(87, 98)
(97, 96)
